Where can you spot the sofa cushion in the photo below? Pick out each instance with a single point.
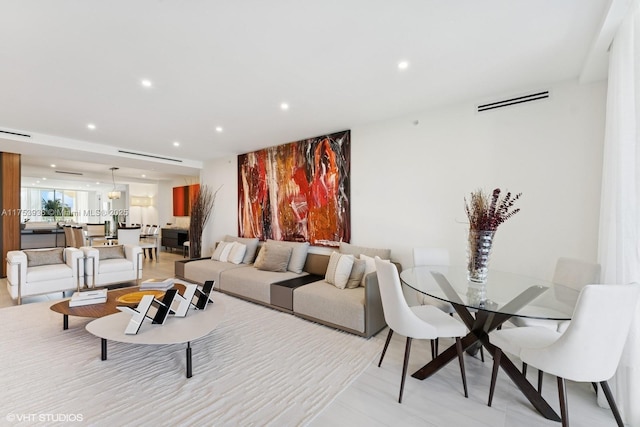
(207, 269)
(346, 248)
(252, 247)
(114, 265)
(222, 251)
(357, 273)
(252, 283)
(298, 254)
(44, 257)
(339, 269)
(325, 302)
(48, 273)
(110, 252)
(273, 258)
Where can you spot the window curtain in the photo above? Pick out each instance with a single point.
(619, 239)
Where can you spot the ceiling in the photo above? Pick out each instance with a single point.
(69, 63)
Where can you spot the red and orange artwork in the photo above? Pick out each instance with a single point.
(297, 191)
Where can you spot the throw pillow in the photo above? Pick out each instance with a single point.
(339, 269)
(298, 254)
(370, 266)
(222, 251)
(273, 258)
(252, 247)
(346, 248)
(357, 273)
(110, 252)
(236, 255)
(46, 257)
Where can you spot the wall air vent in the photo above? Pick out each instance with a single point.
(70, 173)
(513, 101)
(149, 155)
(15, 133)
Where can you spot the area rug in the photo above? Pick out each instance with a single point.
(260, 367)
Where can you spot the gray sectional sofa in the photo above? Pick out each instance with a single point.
(306, 294)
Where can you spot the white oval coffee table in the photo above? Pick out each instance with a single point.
(175, 330)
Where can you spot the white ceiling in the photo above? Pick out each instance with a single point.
(67, 63)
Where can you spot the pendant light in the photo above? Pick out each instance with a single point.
(115, 194)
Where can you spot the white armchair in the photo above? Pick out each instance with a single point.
(42, 271)
(112, 264)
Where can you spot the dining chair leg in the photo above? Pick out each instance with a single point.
(595, 388)
(612, 403)
(462, 370)
(482, 354)
(540, 374)
(433, 349)
(436, 347)
(524, 369)
(407, 350)
(386, 344)
(562, 395)
(494, 373)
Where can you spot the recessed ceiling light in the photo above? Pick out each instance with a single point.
(176, 144)
(146, 83)
(218, 128)
(97, 183)
(37, 182)
(284, 106)
(144, 176)
(91, 126)
(52, 165)
(44, 179)
(403, 65)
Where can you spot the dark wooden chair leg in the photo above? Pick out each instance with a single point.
(436, 346)
(595, 388)
(386, 344)
(433, 350)
(612, 403)
(540, 374)
(494, 373)
(407, 350)
(524, 369)
(482, 354)
(461, 360)
(562, 395)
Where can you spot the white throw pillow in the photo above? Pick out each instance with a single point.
(236, 255)
(222, 251)
(339, 269)
(370, 265)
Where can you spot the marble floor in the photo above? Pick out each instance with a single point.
(372, 399)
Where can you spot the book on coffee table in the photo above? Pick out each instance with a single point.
(160, 284)
(88, 297)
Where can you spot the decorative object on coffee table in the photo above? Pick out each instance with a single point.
(485, 215)
(134, 298)
(201, 209)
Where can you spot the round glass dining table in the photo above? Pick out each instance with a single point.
(485, 307)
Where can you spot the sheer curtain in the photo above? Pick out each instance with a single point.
(619, 240)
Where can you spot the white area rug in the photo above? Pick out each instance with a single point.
(259, 367)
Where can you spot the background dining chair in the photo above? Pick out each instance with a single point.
(420, 322)
(149, 240)
(78, 237)
(590, 348)
(68, 236)
(129, 236)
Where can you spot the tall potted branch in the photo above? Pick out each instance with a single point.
(201, 209)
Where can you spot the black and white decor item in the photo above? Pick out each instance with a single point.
(172, 303)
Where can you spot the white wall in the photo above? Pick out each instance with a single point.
(408, 181)
(143, 214)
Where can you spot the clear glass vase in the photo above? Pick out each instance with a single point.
(480, 242)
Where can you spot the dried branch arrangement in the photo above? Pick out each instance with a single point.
(201, 210)
(487, 213)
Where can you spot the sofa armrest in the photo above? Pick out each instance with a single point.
(134, 254)
(16, 267)
(74, 258)
(374, 315)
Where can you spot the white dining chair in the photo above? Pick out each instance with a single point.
(589, 350)
(569, 277)
(129, 236)
(419, 322)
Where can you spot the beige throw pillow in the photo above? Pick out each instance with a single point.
(46, 257)
(273, 258)
(298, 254)
(339, 269)
(110, 252)
(222, 251)
(357, 273)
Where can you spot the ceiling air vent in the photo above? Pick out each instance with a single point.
(149, 155)
(514, 101)
(15, 133)
(70, 173)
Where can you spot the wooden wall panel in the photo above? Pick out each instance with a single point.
(9, 205)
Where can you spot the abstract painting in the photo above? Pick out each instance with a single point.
(297, 192)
